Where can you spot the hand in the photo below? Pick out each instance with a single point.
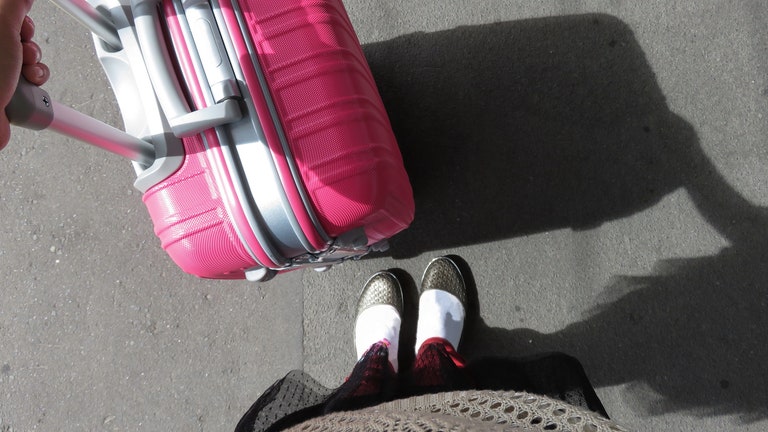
(20, 56)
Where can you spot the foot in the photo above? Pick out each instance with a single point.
(379, 312)
(442, 303)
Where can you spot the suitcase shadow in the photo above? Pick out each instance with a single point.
(521, 127)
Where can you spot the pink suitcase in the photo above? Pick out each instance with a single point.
(270, 146)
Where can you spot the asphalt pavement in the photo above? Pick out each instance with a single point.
(601, 166)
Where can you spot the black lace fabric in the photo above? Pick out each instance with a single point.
(437, 368)
(297, 395)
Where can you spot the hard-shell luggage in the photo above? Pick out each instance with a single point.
(270, 149)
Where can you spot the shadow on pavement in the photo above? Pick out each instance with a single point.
(520, 127)
(693, 333)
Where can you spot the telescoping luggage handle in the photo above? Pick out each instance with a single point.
(31, 107)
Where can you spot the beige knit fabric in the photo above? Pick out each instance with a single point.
(477, 410)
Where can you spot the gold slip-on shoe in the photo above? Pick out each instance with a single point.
(381, 288)
(443, 274)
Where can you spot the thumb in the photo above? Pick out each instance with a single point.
(12, 13)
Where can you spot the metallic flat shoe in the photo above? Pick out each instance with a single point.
(443, 274)
(381, 288)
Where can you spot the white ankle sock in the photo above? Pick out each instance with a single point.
(375, 324)
(440, 315)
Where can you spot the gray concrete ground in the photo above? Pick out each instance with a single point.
(600, 165)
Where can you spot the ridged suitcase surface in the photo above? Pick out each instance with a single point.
(328, 138)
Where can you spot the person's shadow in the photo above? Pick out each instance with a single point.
(520, 127)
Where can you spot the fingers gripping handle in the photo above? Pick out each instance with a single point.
(31, 107)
